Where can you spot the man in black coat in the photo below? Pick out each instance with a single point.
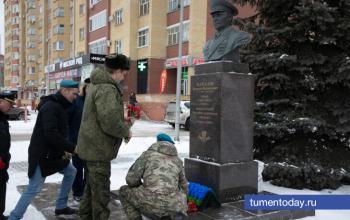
(49, 150)
(6, 101)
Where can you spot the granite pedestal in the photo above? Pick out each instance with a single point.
(221, 135)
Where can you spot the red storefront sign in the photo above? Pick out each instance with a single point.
(162, 81)
(185, 61)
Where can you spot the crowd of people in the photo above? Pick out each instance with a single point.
(78, 135)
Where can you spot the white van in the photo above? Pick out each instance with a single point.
(170, 114)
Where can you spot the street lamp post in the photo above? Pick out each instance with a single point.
(179, 73)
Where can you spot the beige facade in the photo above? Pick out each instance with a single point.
(126, 31)
(80, 27)
(38, 33)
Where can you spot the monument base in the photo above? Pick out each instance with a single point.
(229, 181)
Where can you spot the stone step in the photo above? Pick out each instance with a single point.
(45, 203)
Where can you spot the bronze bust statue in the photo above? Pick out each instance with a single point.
(227, 41)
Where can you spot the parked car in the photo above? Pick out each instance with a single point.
(170, 114)
(16, 113)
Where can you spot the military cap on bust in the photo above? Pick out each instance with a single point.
(8, 96)
(69, 84)
(223, 5)
(117, 61)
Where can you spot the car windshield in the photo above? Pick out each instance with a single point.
(187, 104)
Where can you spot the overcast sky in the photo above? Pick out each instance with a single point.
(2, 27)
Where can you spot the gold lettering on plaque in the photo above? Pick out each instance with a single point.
(203, 136)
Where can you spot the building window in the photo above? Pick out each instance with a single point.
(14, 79)
(31, 19)
(118, 46)
(98, 47)
(144, 7)
(94, 2)
(173, 33)
(118, 16)
(15, 8)
(82, 9)
(143, 38)
(31, 70)
(187, 2)
(49, 4)
(186, 31)
(15, 43)
(31, 45)
(15, 20)
(31, 5)
(31, 57)
(98, 21)
(172, 5)
(15, 32)
(15, 67)
(58, 29)
(49, 33)
(59, 12)
(81, 34)
(59, 45)
(31, 31)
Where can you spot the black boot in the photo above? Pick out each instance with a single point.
(66, 211)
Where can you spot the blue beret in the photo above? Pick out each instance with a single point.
(69, 84)
(164, 137)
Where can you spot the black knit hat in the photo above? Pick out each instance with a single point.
(117, 61)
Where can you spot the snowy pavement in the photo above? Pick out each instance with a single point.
(144, 135)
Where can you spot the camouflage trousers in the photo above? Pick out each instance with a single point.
(94, 205)
(136, 200)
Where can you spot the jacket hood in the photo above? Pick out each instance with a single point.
(164, 147)
(100, 76)
(55, 98)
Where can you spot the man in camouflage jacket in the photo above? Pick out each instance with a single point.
(156, 183)
(102, 130)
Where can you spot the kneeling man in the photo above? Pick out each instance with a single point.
(156, 183)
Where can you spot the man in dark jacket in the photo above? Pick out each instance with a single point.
(6, 101)
(49, 150)
(75, 114)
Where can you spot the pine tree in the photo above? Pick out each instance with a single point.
(300, 53)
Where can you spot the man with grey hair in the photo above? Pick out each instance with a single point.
(227, 41)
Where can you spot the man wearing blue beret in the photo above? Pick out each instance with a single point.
(49, 150)
(6, 101)
(157, 186)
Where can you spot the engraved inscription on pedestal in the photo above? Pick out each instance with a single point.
(205, 108)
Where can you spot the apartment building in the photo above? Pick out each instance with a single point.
(38, 33)
(50, 40)
(148, 32)
(1, 71)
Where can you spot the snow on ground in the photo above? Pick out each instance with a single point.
(126, 156)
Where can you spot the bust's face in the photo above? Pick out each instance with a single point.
(221, 19)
